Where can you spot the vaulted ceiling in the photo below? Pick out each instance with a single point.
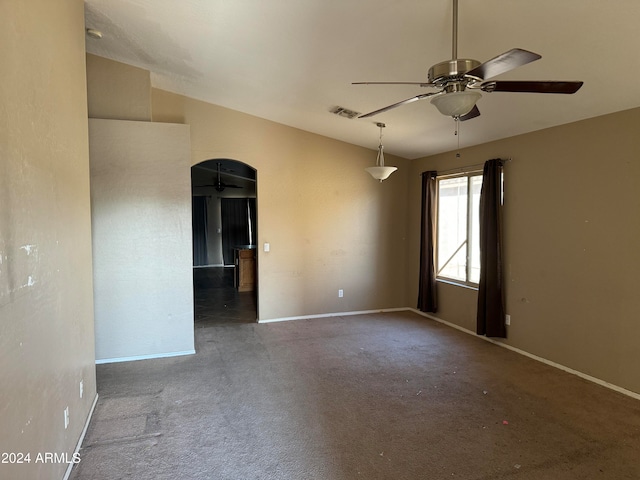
(292, 61)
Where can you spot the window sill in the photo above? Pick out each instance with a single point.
(457, 284)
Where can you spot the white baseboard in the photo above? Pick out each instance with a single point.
(564, 368)
(81, 439)
(144, 357)
(585, 376)
(589, 378)
(334, 314)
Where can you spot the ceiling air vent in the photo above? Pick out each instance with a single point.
(344, 112)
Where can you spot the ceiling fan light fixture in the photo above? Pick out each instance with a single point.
(456, 104)
(380, 172)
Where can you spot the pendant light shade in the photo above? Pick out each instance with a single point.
(456, 104)
(380, 172)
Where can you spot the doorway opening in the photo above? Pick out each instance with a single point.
(225, 229)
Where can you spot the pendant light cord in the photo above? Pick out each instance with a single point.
(380, 160)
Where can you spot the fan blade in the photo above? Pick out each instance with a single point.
(503, 63)
(403, 102)
(422, 84)
(531, 86)
(473, 113)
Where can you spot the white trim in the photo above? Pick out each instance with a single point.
(559, 366)
(335, 314)
(449, 324)
(589, 378)
(81, 439)
(458, 283)
(144, 357)
(578, 373)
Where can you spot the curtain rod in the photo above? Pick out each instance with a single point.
(466, 168)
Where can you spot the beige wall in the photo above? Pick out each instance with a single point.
(330, 225)
(141, 224)
(117, 91)
(570, 250)
(46, 304)
(572, 231)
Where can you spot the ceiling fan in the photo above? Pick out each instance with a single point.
(460, 79)
(220, 185)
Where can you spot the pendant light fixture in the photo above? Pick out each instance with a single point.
(380, 172)
(457, 103)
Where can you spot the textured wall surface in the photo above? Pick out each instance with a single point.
(141, 219)
(122, 93)
(571, 230)
(46, 302)
(329, 224)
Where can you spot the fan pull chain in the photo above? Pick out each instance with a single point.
(457, 134)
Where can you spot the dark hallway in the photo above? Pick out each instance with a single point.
(217, 301)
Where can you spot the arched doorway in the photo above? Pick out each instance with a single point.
(224, 222)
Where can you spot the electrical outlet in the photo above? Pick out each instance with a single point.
(81, 388)
(66, 418)
(507, 319)
(340, 293)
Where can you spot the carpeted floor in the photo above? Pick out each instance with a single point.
(384, 396)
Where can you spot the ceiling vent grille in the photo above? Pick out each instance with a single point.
(344, 112)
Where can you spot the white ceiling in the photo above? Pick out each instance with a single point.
(291, 61)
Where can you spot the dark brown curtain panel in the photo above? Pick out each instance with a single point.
(490, 295)
(199, 227)
(235, 226)
(427, 299)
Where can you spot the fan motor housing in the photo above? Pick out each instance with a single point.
(453, 71)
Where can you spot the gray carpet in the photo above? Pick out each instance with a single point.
(385, 396)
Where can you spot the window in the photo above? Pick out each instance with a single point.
(458, 228)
